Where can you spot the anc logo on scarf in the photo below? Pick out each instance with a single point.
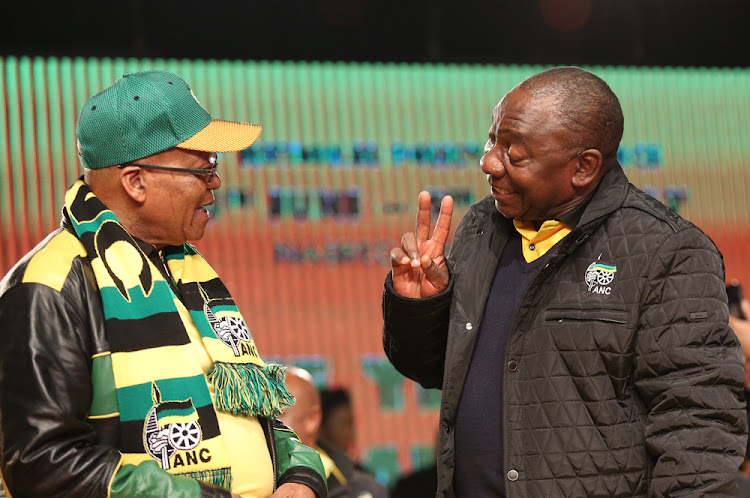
(170, 426)
(599, 276)
(231, 330)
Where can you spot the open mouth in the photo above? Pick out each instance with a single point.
(501, 191)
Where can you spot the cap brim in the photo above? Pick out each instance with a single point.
(223, 136)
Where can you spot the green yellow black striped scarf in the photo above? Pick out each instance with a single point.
(163, 399)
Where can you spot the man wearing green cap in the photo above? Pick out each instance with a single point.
(126, 368)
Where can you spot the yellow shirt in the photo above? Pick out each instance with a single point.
(252, 469)
(536, 243)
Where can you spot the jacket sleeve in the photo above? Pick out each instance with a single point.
(148, 480)
(415, 333)
(296, 462)
(689, 371)
(47, 446)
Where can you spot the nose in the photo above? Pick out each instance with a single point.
(492, 164)
(214, 183)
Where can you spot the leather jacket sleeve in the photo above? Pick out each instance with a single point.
(47, 448)
(689, 371)
(148, 480)
(47, 445)
(296, 462)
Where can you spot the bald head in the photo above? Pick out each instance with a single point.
(585, 106)
(305, 414)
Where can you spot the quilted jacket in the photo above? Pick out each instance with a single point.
(623, 377)
(53, 324)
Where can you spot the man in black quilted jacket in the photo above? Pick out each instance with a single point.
(578, 327)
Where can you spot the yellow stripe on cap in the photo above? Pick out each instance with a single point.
(223, 136)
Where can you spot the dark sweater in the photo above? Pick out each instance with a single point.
(479, 423)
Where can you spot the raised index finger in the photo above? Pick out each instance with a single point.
(443, 226)
(423, 216)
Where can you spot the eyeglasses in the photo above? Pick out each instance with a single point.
(208, 173)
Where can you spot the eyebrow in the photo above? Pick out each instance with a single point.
(511, 134)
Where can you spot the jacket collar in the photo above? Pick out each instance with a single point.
(609, 195)
(65, 223)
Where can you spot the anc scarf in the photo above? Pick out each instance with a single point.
(164, 403)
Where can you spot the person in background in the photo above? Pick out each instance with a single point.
(741, 326)
(578, 328)
(304, 416)
(336, 437)
(337, 425)
(126, 368)
(420, 483)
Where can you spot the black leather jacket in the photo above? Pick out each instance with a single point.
(52, 325)
(630, 388)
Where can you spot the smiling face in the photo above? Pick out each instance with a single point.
(530, 159)
(174, 210)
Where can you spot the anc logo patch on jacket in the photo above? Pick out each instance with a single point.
(599, 277)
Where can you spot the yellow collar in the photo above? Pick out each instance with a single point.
(330, 466)
(536, 243)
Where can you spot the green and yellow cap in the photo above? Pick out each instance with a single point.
(149, 112)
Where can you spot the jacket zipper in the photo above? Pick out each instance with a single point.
(270, 440)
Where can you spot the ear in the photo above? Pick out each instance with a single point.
(133, 183)
(313, 420)
(588, 166)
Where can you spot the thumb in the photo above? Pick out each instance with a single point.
(435, 273)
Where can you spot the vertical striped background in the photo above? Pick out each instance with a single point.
(699, 118)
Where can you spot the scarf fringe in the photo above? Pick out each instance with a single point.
(218, 477)
(249, 389)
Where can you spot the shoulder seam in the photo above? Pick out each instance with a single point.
(52, 260)
(660, 211)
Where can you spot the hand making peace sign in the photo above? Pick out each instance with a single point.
(418, 266)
